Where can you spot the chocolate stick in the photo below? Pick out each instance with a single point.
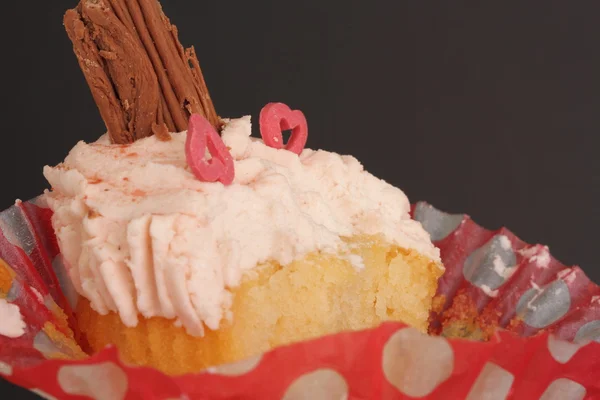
(143, 81)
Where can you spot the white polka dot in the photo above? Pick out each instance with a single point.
(322, 384)
(237, 368)
(415, 363)
(5, 368)
(105, 381)
(563, 388)
(43, 394)
(561, 350)
(493, 383)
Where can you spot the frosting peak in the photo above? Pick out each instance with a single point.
(140, 234)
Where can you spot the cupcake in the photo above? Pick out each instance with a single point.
(182, 274)
(195, 246)
(190, 246)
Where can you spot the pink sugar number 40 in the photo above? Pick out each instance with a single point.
(274, 118)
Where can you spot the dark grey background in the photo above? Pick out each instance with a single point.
(487, 109)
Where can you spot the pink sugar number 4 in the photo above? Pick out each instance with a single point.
(200, 136)
(277, 117)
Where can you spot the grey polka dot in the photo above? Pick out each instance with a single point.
(16, 230)
(437, 223)
(589, 331)
(491, 264)
(64, 281)
(540, 309)
(43, 344)
(563, 388)
(15, 290)
(46, 346)
(39, 201)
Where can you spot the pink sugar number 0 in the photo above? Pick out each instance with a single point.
(274, 118)
(200, 136)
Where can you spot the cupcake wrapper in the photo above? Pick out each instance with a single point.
(494, 279)
(548, 349)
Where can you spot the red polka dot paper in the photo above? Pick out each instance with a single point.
(549, 349)
(507, 282)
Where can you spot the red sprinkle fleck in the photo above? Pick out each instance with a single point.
(95, 180)
(138, 192)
